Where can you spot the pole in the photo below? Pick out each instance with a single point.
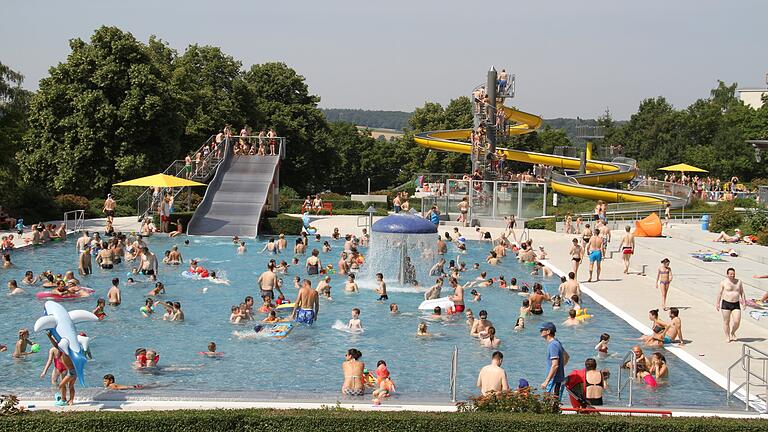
(369, 186)
(490, 129)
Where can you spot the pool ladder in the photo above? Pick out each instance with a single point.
(754, 363)
(454, 372)
(632, 360)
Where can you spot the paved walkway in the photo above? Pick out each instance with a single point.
(125, 224)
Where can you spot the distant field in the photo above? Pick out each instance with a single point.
(377, 132)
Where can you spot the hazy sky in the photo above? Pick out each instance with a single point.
(571, 58)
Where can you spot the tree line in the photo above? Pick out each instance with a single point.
(119, 108)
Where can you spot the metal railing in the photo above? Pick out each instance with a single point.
(632, 360)
(754, 376)
(454, 372)
(201, 168)
(73, 220)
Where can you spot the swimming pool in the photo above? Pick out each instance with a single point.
(307, 362)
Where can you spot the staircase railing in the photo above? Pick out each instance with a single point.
(622, 384)
(755, 376)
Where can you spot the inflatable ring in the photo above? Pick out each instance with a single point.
(35, 348)
(311, 230)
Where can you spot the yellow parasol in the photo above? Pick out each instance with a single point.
(160, 180)
(681, 167)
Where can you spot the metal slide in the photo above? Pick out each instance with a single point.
(236, 197)
(579, 185)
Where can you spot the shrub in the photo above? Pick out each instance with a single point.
(545, 223)
(286, 194)
(33, 205)
(756, 221)
(724, 218)
(513, 401)
(762, 237)
(745, 203)
(72, 202)
(282, 224)
(333, 196)
(329, 420)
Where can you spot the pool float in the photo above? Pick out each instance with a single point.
(445, 303)
(48, 295)
(582, 314)
(274, 331)
(190, 275)
(285, 307)
(61, 325)
(305, 222)
(35, 348)
(755, 303)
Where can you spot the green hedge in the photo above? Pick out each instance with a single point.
(724, 218)
(281, 225)
(545, 223)
(333, 420)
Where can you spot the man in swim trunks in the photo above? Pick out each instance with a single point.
(537, 298)
(627, 247)
(85, 266)
(113, 295)
(109, 208)
(268, 283)
(594, 248)
(480, 326)
(458, 295)
(307, 306)
(730, 300)
(148, 262)
(675, 329)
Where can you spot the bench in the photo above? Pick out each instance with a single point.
(328, 206)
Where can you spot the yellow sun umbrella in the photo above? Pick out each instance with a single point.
(682, 168)
(160, 180)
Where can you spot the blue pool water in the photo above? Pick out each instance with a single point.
(308, 361)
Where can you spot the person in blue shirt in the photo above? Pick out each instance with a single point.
(557, 358)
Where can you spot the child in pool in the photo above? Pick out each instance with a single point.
(502, 282)
(525, 309)
(109, 383)
(475, 295)
(266, 306)
(148, 309)
(272, 317)
(381, 290)
(212, 350)
(556, 302)
(281, 299)
(354, 323)
(520, 324)
(422, 330)
(645, 376)
(602, 345)
(571, 320)
(157, 290)
(394, 309)
(99, 311)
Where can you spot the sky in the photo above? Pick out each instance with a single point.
(570, 58)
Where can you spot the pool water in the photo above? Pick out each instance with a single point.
(308, 361)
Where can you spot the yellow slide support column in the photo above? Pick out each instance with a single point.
(589, 153)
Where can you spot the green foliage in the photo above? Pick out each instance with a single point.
(33, 204)
(755, 221)
(328, 420)
(282, 224)
(71, 202)
(513, 401)
(396, 120)
(545, 223)
(747, 203)
(762, 237)
(724, 218)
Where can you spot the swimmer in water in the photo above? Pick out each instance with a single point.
(355, 323)
(475, 295)
(157, 290)
(520, 324)
(14, 288)
(351, 285)
(212, 350)
(109, 383)
(602, 345)
(381, 290)
(491, 341)
(148, 309)
(394, 309)
(422, 330)
(241, 249)
(571, 320)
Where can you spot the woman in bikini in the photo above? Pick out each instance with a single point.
(659, 328)
(576, 253)
(585, 236)
(663, 279)
(353, 374)
(568, 224)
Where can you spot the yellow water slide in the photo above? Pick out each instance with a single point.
(578, 185)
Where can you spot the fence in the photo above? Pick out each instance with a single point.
(491, 199)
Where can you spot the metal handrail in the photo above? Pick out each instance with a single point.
(454, 372)
(76, 216)
(749, 354)
(629, 357)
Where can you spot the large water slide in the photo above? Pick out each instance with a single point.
(578, 185)
(236, 197)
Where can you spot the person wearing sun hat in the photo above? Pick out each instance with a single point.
(557, 358)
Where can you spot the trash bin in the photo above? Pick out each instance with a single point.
(705, 222)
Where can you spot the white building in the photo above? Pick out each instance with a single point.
(752, 97)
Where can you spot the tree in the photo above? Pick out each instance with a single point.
(105, 114)
(14, 102)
